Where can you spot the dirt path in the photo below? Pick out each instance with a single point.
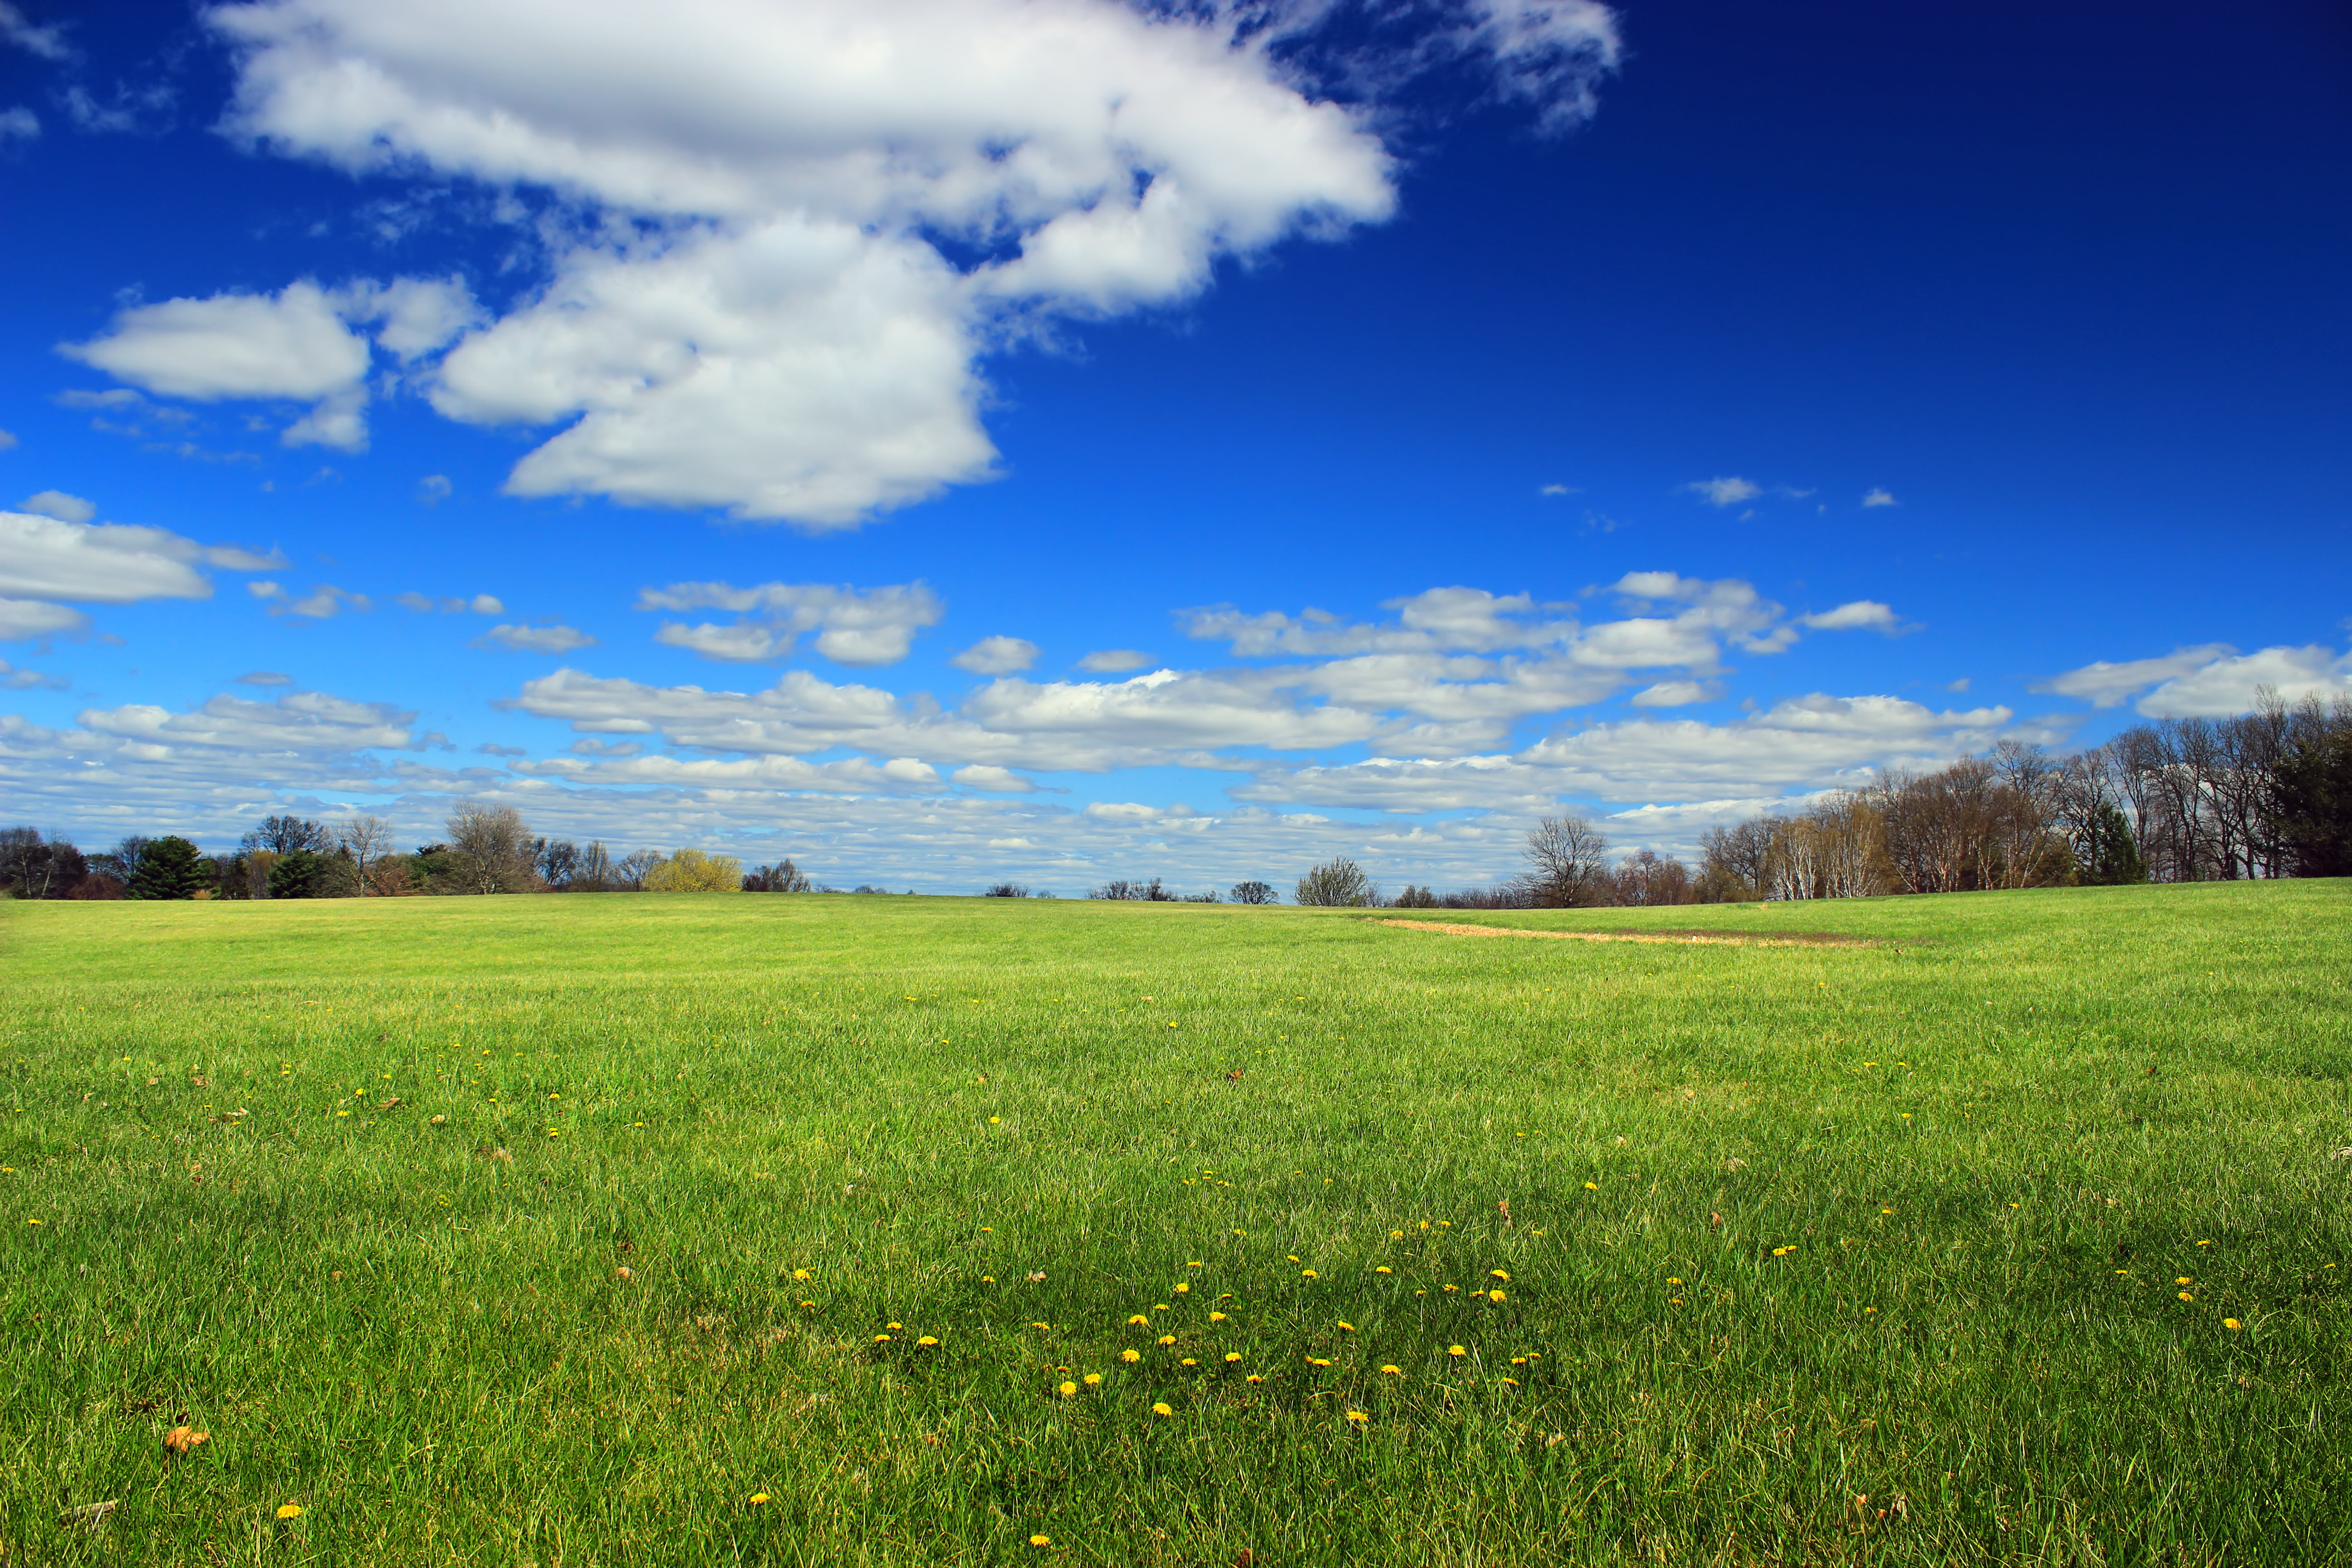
(1717, 938)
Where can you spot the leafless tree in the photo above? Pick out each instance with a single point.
(1646, 879)
(366, 839)
(490, 849)
(1565, 864)
(1733, 861)
(1254, 892)
(630, 871)
(1337, 883)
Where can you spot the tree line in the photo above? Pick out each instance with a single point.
(487, 850)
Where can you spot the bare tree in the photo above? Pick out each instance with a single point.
(1567, 868)
(1734, 861)
(1646, 879)
(490, 849)
(1337, 883)
(785, 878)
(1254, 892)
(366, 839)
(630, 871)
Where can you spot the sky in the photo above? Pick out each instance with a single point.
(948, 441)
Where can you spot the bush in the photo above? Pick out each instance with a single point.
(692, 871)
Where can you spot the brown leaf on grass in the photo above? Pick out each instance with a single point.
(1714, 1222)
(1038, 1277)
(388, 1104)
(180, 1439)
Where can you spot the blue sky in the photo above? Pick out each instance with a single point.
(1359, 430)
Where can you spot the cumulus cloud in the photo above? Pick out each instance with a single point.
(868, 628)
(296, 346)
(998, 656)
(47, 556)
(1879, 498)
(759, 310)
(996, 780)
(23, 620)
(2106, 683)
(59, 505)
(1725, 491)
(552, 639)
(1861, 615)
(1115, 661)
(2230, 685)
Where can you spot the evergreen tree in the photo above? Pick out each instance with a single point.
(2111, 857)
(299, 874)
(2313, 806)
(170, 868)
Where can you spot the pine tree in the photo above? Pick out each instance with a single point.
(170, 868)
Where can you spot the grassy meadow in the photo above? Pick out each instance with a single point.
(734, 1229)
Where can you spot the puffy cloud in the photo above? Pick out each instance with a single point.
(1861, 615)
(1879, 498)
(997, 781)
(1725, 491)
(308, 721)
(866, 627)
(2105, 683)
(1115, 661)
(54, 557)
(479, 604)
(998, 656)
(554, 639)
(21, 620)
(296, 345)
(1675, 694)
(773, 325)
(2231, 685)
(59, 505)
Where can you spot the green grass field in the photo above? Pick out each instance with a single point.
(566, 1230)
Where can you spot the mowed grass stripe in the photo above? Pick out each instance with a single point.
(1788, 1228)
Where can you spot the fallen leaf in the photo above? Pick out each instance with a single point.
(180, 1439)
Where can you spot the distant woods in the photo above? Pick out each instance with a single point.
(487, 850)
(2265, 794)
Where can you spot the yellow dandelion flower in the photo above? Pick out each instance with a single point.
(799, 1273)
(1347, 1328)
(1162, 1409)
(1396, 1236)
(881, 1339)
(1455, 1351)
(1671, 1280)
(1216, 1317)
(1254, 1377)
(1358, 1416)
(1137, 1321)
(1498, 1274)
(1067, 1391)
(1450, 1289)
(2182, 1281)
(808, 1303)
(2232, 1324)
(927, 1341)
(759, 1500)
(1232, 1356)
(1032, 1325)
(1041, 1541)
(988, 1278)
(1593, 1186)
(1158, 1306)
(1092, 1380)
(1307, 1274)
(1496, 1296)
(1188, 1360)
(289, 1511)
(1391, 1372)
(1510, 1383)
(2185, 1295)
(1383, 1268)
(1317, 1361)
(1182, 1287)
(1518, 1360)
(1167, 1338)
(1130, 1357)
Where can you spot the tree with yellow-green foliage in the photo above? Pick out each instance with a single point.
(692, 871)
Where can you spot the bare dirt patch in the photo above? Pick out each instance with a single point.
(1694, 938)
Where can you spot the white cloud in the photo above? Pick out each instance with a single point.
(297, 721)
(1675, 694)
(997, 781)
(59, 505)
(323, 603)
(1558, 491)
(865, 627)
(2105, 684)
(1114, 660)
(997, 656)
(555, 639)
(21, 620)
(51, 557)
(1725, 492)
(758, 311)
(2227, 686)
(292, 344)
(417, 315)
(18, 124)
(1880, 497)
(7, 441)
(1861, 615)
(433, 488)
(264, 678)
